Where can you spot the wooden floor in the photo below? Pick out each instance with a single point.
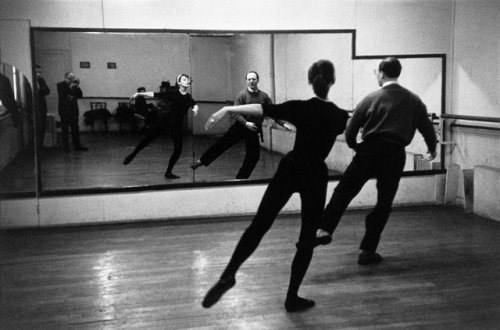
(441, 271)
(102, 167)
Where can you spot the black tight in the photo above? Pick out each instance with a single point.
(311, 184)
(154, 132)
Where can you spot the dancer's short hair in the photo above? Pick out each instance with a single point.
(320, 75)
(178, 79)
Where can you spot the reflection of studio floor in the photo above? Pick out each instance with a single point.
(441, 274)
(101, 166)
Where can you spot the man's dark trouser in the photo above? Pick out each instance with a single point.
(374, 159)
(236, 133)
(67, 122)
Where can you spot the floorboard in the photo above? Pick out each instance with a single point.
(441, 271)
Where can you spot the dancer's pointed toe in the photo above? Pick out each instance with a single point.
(298, 304)
(217, 291)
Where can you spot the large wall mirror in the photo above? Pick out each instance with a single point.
(112, 65)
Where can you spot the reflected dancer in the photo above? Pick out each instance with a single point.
(176, 102)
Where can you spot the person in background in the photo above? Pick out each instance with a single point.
(145, 111)
(318, 122)
(69, 92)
(43, 90)
(177, 102)
(388, 119)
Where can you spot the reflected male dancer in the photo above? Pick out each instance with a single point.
(246, 126)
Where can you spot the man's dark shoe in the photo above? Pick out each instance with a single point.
(171, 175)
(324, 240)
(298, 304)
(128, 159)
(215, 293)
(369, 258)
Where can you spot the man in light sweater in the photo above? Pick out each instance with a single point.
(389, 118)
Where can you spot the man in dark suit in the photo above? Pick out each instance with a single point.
(7, 99)
(389, 118)
(69, 92)
(43, 90)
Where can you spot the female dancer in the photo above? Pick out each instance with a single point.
(179, 101)
(302, 170)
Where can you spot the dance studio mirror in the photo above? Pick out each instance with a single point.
(112, 65)
(17, 155)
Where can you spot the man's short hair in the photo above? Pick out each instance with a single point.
(254, 72)
(391, 67)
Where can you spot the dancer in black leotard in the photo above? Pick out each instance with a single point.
(179, 101)
(303, 170)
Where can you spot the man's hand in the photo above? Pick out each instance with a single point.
(251, 126)
(430, 155)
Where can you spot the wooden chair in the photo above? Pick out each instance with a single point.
(99, 112)
(125, 114)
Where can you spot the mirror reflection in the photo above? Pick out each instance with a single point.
(223, 68)
(17, 156)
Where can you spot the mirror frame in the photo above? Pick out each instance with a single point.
(354, 56)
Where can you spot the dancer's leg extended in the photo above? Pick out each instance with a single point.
(350, 184)
(152, 134)
(313, 200)
(229, 139)
(252, 155)
(277, 194)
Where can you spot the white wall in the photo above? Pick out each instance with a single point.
(476, 81)
(171, 204)
(296, 52)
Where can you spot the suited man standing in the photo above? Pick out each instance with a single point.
(69, 92)
(43, 90)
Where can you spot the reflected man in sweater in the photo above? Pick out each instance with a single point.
(389, 118)
(245, 127)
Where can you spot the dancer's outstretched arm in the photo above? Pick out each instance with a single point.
(145, 94)
(252, 109)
